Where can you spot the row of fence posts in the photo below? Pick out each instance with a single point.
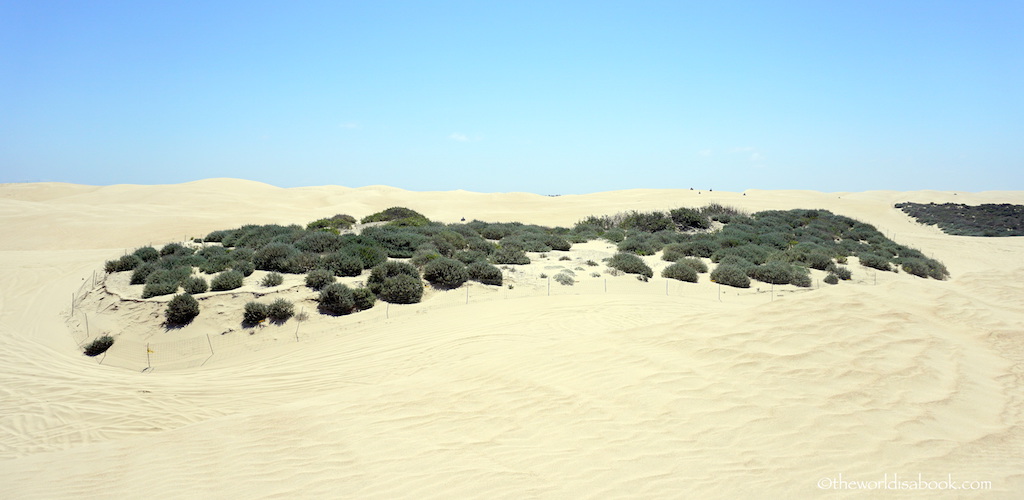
(76, 297)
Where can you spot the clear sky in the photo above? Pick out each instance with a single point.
(547, 97)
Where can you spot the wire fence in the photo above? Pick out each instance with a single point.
(197, 351)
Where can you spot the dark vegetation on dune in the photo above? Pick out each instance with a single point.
(772, 246)
(967, 220)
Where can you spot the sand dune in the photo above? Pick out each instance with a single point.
(598, 395)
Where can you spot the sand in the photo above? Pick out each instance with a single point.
(641, 392)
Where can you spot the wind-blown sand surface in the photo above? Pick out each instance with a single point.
(576, 396)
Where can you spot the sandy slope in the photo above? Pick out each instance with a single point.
(595, 396)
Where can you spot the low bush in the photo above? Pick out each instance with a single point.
(175, 249)
(147, 254)
(158, 288)
(839, 272)
(243, 266)
(274, 257)
(142, 272)
(181, 310)
(874, 261)
(445, 273)
(302, 262)
(319, 278)
(272, 279)
(484, 273)
(280, 310)
(195, 285)
(342, 264)
(680, 271)
(776, 273)
(640, 244)
(336, 299)
(401, 289)
(227, 280)
(393, 214)
(390, 269)
(614, 235)
(509, 255)
(731, 275)
(688, 218)
(254, 313)
(566, 278)
(338, 222)
(697, 264)
(831, 279)
(99, 346)
(364, 299)
(631, 264)
(125, 263)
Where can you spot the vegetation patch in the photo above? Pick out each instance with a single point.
(969, 220)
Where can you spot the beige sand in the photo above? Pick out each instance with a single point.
(596, 395)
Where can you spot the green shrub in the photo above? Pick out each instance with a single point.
(280, 310)
(839, 272)
(776, 273)
(680, 271)
(445, 273)
(342, 264)
(703, 247)
(697, 264)
(125, 263)
(99, 346)
(320, 242)
(397, 242)
(484, 273)
(364, 299)
(319, 278)
(371, 256)
(393, 213)
(336, 299)
(874, 261)
(245, 267)
(175, 249)
(390, 269)
(509, 255)
(801, 277)
(731, 275)
(614, 235)
(274, 257)
(401, 289)
(831, 279)
(255, 312)
(272, 279)
(181, 310)
(195, 285)
(227, 280)
(565, 277)
(340, 221)
(142, 272)
(302, 262)
(165, 281)
(924, 268)
(631, 264)
(688, 218)
(470, 256)
(147, 254)
(424, 255)
(640, 244)
(649, 222)
(157, 288)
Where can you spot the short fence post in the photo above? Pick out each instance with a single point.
(149, 365)
(210, 342)
(467, 294)
(549, 286)
(719, 292)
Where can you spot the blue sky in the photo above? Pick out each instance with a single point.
(544, 97)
